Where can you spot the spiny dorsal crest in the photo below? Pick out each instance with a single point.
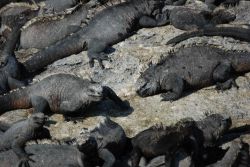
(50, 17)
(17, 8)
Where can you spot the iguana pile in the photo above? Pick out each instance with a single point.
(102, 32)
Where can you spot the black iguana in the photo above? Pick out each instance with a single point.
(192, 67)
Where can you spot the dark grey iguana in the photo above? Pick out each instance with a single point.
(41, 32)
(60, 93)
(102, 31)
(16, 14)
(13, 19)
(46, 155)
(5, 2)
(111, 143)
(17, 135)
(157, 141)
(239, 33)
(192, 67)
(186, 18)
(11, 71)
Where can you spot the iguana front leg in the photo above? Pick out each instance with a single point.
(96, 50)
(160, 20)
(68, 107)
(107, 156)
(18, 147)
(14, 83)
(39, 104)
(173, 85)
(222, 76)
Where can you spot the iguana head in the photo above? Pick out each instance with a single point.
(147, 84)
(38, 119)
(149, 6)
(94, 91)
(223, 124)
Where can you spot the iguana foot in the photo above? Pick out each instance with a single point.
(226, 85)
(24, 162)
(228, 3)
(101, 57)
(170, 96)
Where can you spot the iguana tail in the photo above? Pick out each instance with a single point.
(18, 99)
(239, 33)
(72, 44)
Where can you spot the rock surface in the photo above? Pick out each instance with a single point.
(128, 59)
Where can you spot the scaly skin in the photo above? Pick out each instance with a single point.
(239, 33)
(185, 18)
(17, 135)
(109, 140)
(237, 155)
(11, 71)
(157, 141)
(50, 29)
(60, 93)
(102, 32)
(45, 155)
(197, 67)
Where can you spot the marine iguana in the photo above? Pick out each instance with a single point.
(11, 71)
(111, 143)
(158, 140)
(186, 18)
(41, 32)
(5, 2)
(213, 127)
(16, 14)
(239, 33)
(60, 93)
(16, 136)
(192, 67)
(45, 155)
(237, 155)
(132, 15)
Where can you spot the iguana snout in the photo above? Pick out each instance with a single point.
(38, 119)
(146, 87)
(95, 90)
